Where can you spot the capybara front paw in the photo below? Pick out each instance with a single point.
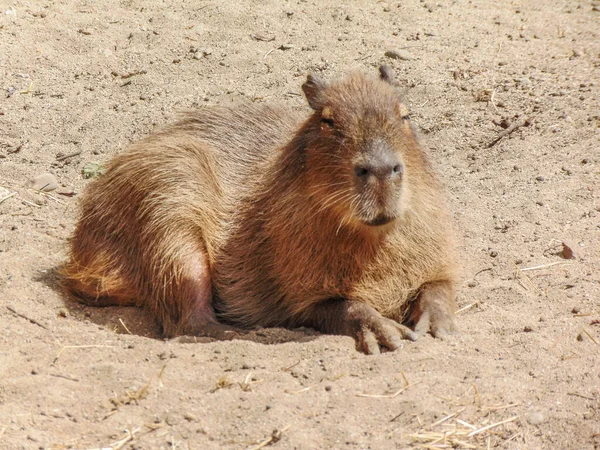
(372, 331)
(441, 325)
(433, 311)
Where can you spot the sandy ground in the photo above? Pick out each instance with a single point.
(81, 79)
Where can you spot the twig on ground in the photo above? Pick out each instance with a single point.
(70, 155)
(513, 127)
(33, 321)
(66, 377)
(575, 394)
(285, 369)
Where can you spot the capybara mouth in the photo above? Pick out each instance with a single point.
(380, 220)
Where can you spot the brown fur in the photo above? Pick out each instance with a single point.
(245, 212)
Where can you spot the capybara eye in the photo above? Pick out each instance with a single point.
(398, 169)
(406, 117)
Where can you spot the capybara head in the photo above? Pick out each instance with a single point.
(359, 149)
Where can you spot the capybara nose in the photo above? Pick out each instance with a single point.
(381, 162)
(381, 169)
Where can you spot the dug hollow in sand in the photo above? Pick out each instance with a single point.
(253, 216)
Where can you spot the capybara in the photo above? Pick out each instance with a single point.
(254, 216)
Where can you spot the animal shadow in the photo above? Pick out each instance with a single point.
(137, 321)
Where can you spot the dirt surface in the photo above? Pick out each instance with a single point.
(506, 97)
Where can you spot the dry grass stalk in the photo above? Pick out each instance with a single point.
(132, 396)
(246, 385)
(51, 197)
(124, 326)
(406, 382)
(393, 395)
(590, 336)
(450, 416)
(466, 308)
(78, 346)
(222, 383)
(27, 202)
(543, 266)
(457, 434)
(499, 407)
(275, 436)
(493, 425)
(477, 397)
(514, 436)
(130, 436)
(7, 197)
(160, 374)
(299, 391)
(525, 281)
(466, 424)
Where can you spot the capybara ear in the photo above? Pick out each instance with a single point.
(313, 88)
(387, 74)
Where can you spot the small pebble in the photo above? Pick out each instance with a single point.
(328, 387)
(399, 54)
(286, 47)
(190, 417)
(67, 192)
(45, 182)
(535, 418)
(567, 251)
(528, 329)
(576, 309)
